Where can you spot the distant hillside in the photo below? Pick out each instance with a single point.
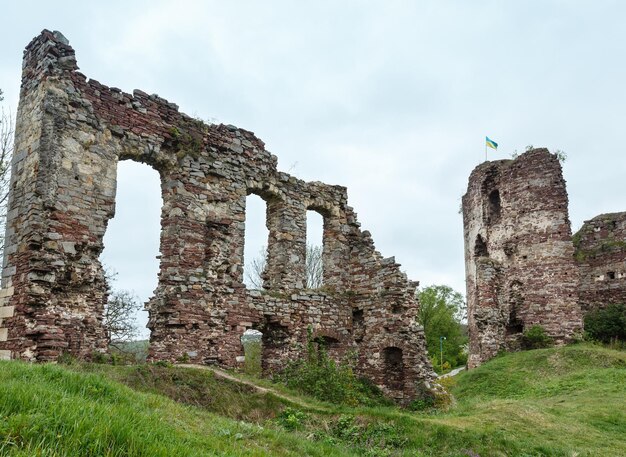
(550, 402)
(137, 349)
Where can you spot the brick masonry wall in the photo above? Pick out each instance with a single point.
(71, 132)
(601, 257)
(520, 269)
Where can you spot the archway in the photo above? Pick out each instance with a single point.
(131, 241)
(314, 265)
(255, 242)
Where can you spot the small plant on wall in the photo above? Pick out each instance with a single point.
(536, 338)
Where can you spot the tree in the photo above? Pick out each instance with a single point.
(6, 152)
(607, 325)
(120, 318)
(120, 315)
(442, 311)
(314, 268)
(254, 273)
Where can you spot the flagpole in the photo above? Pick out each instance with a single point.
(485, 150)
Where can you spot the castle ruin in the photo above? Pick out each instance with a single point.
(523, 266)
(519, 256)
(72, 131)
(601, 257)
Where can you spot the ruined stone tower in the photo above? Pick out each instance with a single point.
(519, 262)
(71, 132)
(601, 257)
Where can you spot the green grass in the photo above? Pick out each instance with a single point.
(550, 402)
(50, 410)
(195, 387)
(558, 401)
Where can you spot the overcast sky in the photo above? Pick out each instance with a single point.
(392, 99)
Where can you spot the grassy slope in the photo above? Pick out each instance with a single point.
(566, 401)
(49, 410)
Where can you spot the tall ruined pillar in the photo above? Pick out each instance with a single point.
(519, 262)
(339, 221)
(286, 250)
(52, 280)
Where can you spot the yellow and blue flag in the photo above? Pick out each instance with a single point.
(492, 144)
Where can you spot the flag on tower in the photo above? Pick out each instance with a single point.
(492, 144)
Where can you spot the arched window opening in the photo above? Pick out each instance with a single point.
(396, 308)
(515, 325)
(327, 345)
(480, 247)
(255, 242)
(394, 368)
(275, 335)
(131, 250)
(358, 325)
(252, 342)
(610, 275)
(314, 265)
(494, 206)
(326, 341)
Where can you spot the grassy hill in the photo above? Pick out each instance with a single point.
(559, 402)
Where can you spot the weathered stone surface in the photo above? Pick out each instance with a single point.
(520, 269)
(601, 257)
(70, 134)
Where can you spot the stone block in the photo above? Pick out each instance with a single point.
(6, 311)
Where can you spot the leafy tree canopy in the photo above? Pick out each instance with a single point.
(442, 311)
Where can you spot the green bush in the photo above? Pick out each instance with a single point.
(379, 438)
(607, 325)
(536, 338)
(436, 397)
(321, 377)
(292, 419)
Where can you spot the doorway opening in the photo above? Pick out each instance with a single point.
(131, 247)
(252, 341)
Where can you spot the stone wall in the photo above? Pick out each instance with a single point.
(71, 133)
(520, 269)
(601, 257)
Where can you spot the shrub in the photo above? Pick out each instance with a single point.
(99, 357)
(380, 438)
(321, 377)
(66, 359)
(536, 338)
(608, 324)
(435, 397)
(422, 403)
(292, 419)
